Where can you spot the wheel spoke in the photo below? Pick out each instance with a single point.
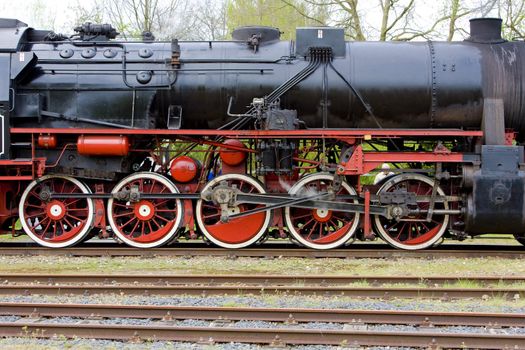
(134, 227)
(311, 230)
(296, 217)
(129, 221)
(156, 223)
(120, 205)
(67, 222)
(149, 226)
(161, 218)
(74, 217)
(161, 202)
(165, 210)
(35, 205)
(206, 217)
(45, 229)
(35, 215)
(123, 214)
(73, 202)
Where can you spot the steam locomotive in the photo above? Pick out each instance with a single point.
(238, 141)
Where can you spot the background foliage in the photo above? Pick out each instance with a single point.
(215, 19)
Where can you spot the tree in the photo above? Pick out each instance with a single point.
(165, 18)
(211, 20)
(393, 11)
(41, 15)
(349, 14)
(82, 14)
(513, 14)
(444, 25)
(403, 19)
(286, 16)
(454, 11)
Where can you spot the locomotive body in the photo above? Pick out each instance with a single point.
(407, 84)
(162, 140)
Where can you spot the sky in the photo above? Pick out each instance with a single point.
(57, 11)
(59, 14)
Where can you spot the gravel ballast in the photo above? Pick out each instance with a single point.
(277, 301)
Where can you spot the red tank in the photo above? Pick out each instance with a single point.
(184, 169)
(103, 145)
(230, 156)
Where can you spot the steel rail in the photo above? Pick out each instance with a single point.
(246, 280)
(358, 292)
(354, 253)
(272, 336)
(285, 315)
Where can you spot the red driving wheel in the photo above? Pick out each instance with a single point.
(321, 228)
(146, 223)
(413, 232)
(56, 223)
(238, 232)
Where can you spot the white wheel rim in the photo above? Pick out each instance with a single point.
(381, 230)
(202, 225)
(297, 236)
(171, 233)
(80, 236)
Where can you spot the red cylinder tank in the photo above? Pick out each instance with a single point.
(47, 141)
(103, 145)
(184, 169)
(230, 156)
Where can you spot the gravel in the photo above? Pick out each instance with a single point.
(96, 344)
(85, 344)
(277, 301)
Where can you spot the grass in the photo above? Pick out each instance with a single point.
(9, 238)
(457, 267)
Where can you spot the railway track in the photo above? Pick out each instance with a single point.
(375, 286)
(285, 315)
(163, 326)
(275, 337)
(270, 251)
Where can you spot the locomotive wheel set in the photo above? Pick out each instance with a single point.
(237, 141)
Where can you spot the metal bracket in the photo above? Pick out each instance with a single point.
(174, 117)
(434, 192)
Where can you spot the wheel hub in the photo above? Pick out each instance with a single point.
(144, 210)
(322, 215)
(234, 210)
(56, 210)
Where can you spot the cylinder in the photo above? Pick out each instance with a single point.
(103, 145)
(485, 30)
(230, 156)
(184, 169)
(47, 141)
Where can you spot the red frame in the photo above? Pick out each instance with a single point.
(360, 163)
(309, 133)
(363, 162)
